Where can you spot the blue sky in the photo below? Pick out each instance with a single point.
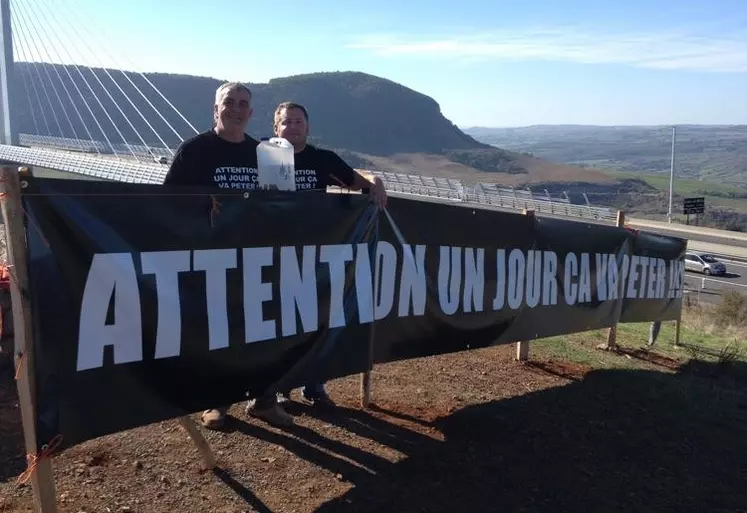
(487, 63)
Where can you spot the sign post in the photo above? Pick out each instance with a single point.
(693, 206)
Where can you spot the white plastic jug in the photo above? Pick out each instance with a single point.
(276, 165)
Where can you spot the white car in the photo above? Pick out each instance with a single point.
(703, 263)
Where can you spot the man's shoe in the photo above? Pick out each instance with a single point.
(318, 398)
(274, 414)
(212, 419)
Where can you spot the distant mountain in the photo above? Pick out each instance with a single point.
(349, 110)
(713, 153)
(371, 121)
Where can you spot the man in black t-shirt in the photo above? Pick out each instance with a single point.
(224, 157)
(315, 169)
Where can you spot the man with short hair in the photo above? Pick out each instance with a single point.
(211, 156)
(224, 157)
(315, 169)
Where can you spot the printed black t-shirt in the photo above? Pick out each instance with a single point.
(317, 168)
(208, 160)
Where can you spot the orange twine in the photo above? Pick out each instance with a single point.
(18, 366)
(34, 459)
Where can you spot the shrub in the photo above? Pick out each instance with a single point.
(732, 311)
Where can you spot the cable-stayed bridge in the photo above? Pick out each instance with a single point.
(99, 122)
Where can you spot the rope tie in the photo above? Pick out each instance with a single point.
(18, 366)
(33, 460)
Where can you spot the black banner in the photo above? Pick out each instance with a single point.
(152, 302)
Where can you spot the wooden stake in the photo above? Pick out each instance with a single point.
(677, 328)
(611, 344)
(522, 348)
(202, 444)
(42, 478)
(365, 391)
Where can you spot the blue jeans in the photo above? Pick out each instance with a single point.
(313, 390)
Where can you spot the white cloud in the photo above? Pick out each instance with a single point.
(680, 51)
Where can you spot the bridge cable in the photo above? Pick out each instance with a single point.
(67, 92)
(19, 51)
(70, 59)
(116, 105)
(35, 65)
(126, 75)
(88, 23)
(46, 69)
(133, 104)
(28, 100)
(114, 102)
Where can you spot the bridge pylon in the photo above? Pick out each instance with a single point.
(8, 128)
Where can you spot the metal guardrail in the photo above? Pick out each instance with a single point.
(491, 195)
(407, 184)
(94, 146)
(545, 207)
(416, 190)
(420, 185)
(97, 167)
(492, 188)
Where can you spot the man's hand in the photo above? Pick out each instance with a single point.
(378, 192)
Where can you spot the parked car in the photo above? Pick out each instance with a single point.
(703, 263)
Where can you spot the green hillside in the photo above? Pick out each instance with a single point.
(713, 153)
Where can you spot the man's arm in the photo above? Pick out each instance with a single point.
(180, 170)
(346, 176)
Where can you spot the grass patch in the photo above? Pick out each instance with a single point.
(716, 194)
(732, 311)
(682, 186)
(701, 339)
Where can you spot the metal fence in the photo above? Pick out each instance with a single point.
(517, 199)
(448, 189)
(419, 185)
(545, 207)
(96, 167)
(89, 146)
(491, 195)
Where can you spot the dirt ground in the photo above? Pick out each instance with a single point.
(468, 432)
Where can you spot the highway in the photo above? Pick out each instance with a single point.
(694, 233)
(710, 289)
(700, 237)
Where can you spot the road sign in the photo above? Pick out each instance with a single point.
(694, 206)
